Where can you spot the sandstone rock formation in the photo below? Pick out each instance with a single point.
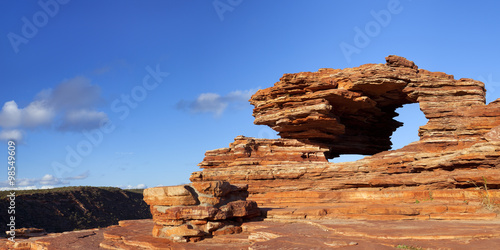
(190, 212)
(351, 111)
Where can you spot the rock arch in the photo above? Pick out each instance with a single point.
(351, 111)
(333, 111)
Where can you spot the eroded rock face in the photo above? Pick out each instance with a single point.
(332, 112)
(253, 151)
(191, 212)
(270, 162)
(351, 111)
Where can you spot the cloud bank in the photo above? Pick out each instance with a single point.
(215, 103)
(47, 181)
(139, 186)
(70, 106)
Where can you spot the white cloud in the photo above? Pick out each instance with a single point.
(209, 102)
(83, 119)
(215, 103)
(76, 93)
(79, 177)
(25, 188)
(240, 95)
(139, 186)
(25, 182)
(11, 134)
(37, 113)
(47, 181)
(18, 188)
(70, 106)
(10, 116)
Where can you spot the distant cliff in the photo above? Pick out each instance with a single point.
(73, 208)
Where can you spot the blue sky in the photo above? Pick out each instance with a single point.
(141, 89)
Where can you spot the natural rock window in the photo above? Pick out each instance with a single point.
(412, 118)
(351, 111)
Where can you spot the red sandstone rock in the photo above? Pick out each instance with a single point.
(180, 232)
(271, 234)
(239, 209)
(247, 151)
(332, 111)
(166, 213)
(169, 196)
(352, 112)
(27, 232)
(188, 213)
(493, 135)
(213, 188)
(228, 230)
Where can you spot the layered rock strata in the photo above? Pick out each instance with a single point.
(351, 111)
(191, 212)
(469, 167)
(252, 151)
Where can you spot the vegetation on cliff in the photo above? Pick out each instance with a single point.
(74, 208)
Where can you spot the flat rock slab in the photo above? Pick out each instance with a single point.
(290, 234)
(352, 234)
(84, 239)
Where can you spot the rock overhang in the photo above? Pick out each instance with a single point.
(351, 111)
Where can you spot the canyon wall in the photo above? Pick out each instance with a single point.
(74, 208)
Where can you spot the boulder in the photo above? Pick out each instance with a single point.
(191, 212)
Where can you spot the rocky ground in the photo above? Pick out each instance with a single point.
(287, 234)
